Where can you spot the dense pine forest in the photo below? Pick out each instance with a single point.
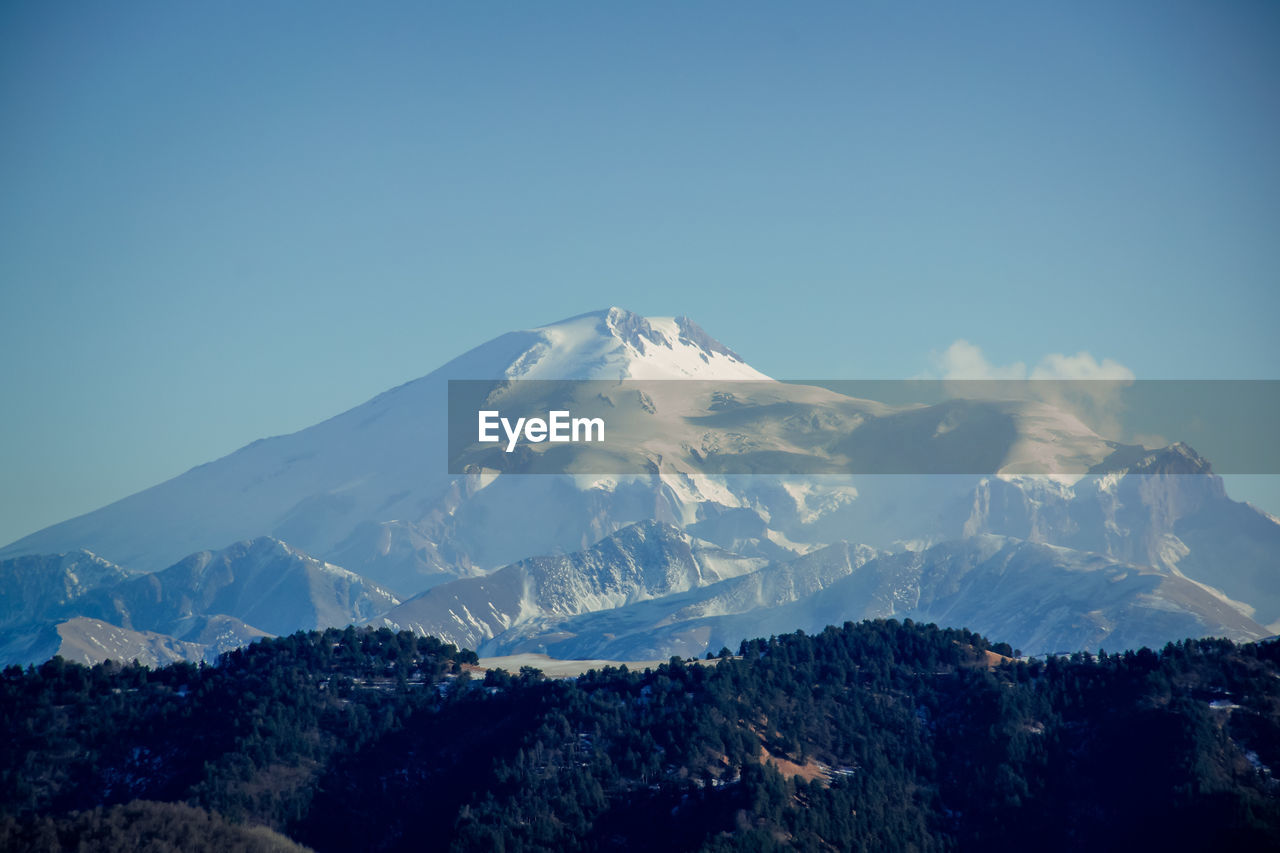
(876, 736)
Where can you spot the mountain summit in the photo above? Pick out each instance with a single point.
(611, 344)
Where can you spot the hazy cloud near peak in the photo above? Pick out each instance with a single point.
(1097, 404)
(1082, 365)
(965, 360)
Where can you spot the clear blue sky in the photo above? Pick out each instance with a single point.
(221, 221)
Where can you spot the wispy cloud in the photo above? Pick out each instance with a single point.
(965, 360)
(1089, 388)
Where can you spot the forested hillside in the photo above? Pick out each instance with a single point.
(876, 736)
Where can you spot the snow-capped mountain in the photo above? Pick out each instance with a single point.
(205, 604)
(643, 562)
(610, 344)
(615, 594)
(369, 487)
(262, 582)
(52, 583)
(369, 491)
(1163, 508)
(1041, 598)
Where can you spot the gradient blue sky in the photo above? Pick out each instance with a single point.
(221, 221)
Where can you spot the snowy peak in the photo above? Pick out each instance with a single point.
(378, 462)
(39, 584)
(262, 583)
(619, 344)
(638, 563)
(646, 560)
(1177, 458)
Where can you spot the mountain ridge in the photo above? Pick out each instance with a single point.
(365, 490)
(205, 604)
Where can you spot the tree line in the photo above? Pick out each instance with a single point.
(904, 736)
